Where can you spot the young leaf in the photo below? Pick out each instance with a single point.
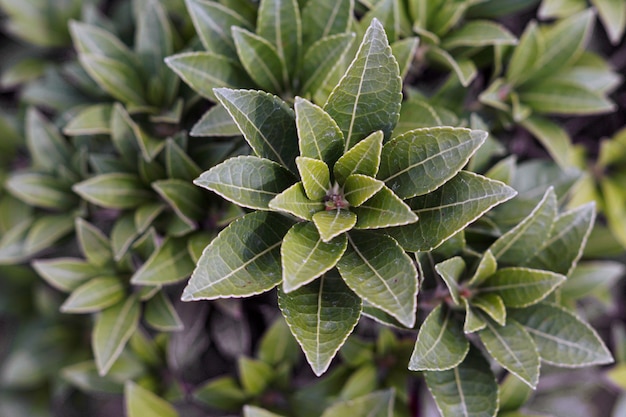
(486, 268)
(114, 326)
(382, 210)
(142, 403)
(315, 177)
(492, 305)
(557, 96)
(47, 148)
(161, 315)
(305, 256)
(363, 158)
(294, 201)
(95, 295)
(376, 268)
(252, 411)
(242, 260)
(332, 223)
(528, 51)
(168, 264)
(321, 315)
(359, 188)
(375, 404)
(522, 287)
(321, 19)
(441, 344)
(474, 321)
(467, 390)
(478, 33)
(115, 190)
(421, 160)
(562, 338)
(371, 82)
(468, 196)
(451, 271)
(266, 122)
(280, 23)
(248, 181)
(322, 60)
(93, 243)
(318, 134)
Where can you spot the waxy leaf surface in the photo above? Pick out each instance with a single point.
(522, 287)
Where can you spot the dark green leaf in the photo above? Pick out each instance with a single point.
(161, 315)
(186, 200)
(404, 51)
(117, 78)
(321, 19)
(323, 59)
(279, 22)
(47, 148)
(41, 190)
(178, 164)
(222, 393)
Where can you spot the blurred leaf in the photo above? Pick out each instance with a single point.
(564, 97)
(41, 190)
(94, 295)
(93, 243)
(279, 22)
(222, 393)
(92, 120)
(320, 20)
(465, 70)
(278, 345)
(252, 411)
(478, 33)
(117, 78)
(186, 200)
(255, 375)
(323, 59)
(613, 16)
(65, 274)
(47, 148)
(142, 403)
(169, 264)
(114, 190)
(375, 404)
(215, 122)
(451, 271)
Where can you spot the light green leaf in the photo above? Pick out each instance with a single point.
(615, 208)
(315, 177)
(477, 33)
(47, 148)
(252, 411)
(372, 84)
(465, 70)
(486, 268)
(92, 120)
(521, 287)
(441, 344)
(322, 19)
(467, 390)
(142, 403)
(261, 60)
(280, 23)
(562, 338)
(154, 38)
(553, 137)
(170, 263)
(375, 404)
(491, 304)
(41, 190)
(416, 114)
(95, 295)
(46, 230)
(556, 9)
(204, 71)
(332, 223)
(65, 274)
(114, 326)
(591, 278)
(359, 188)
(323, 59)
(117, 78)
(321, 315)
(612, 14)
(363, 158)
(513, 348)
(248, 181)
(376, 268)
(93, 243)
(294, 201)
(564, 97)
(384, 209)
(530, 47)
(522, 241)
(215, 122)
(421, 160)
(255, 375)
(115, 190)
(563, 248)
(451, 270)
(404, 51)
(449, 209)
(146, 214)
(266, 122)
(278, 346)
(388, 13)
(91, 39)
(474, 320)
(305, 256)
(212, 22)
(318, 134)
(186, 200)
(161, 315)
(243, 260)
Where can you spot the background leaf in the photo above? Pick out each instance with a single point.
(142, 403)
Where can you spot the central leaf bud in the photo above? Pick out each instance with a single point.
(334, 198)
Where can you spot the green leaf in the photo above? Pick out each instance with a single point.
(47, 148)
(323, 59)
(613, 17)
(591, 278)
(244, 259)
(318, 134)
(146, 214)
(467, 390)
(321, 315)
(491, 304)
(615, 208)
(363, 158)
(359, 188)
(376, 268)
(553, 137)
(477, 33)
(513, 348)
(41, 190)
(261, 60)
(332, 223)
(465, 70)
(551, 9)
(279, 22)
(486, 268)
(563, 248)
(404, 51)
(212, 22)
(388, 13)
(451, 270)
(46, 230)
(449, 209)
(315, 177)
(441, 344)
(114, 326)
(252, 411)
(321, 19)
(178, 164)
(93, 243)
(294, 201)
(215, 122)
(204, 71)
(65, 274)
(367, 98)
(522, 241)
(556, 96)
(375, 404)
(117, 78)
(92, 120)
(266, 122)
(562, 338)
(222, 393)
(254, 375)
(170, 263)
(91, 39)
(248, 181)
(474, 320)
(278, 346)
(529, 49)
(115, 190)
(421, 160)
(142, 403)
(154, 39)
(94, 295)
(161, 315)
(305, 256)
(521, 287)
